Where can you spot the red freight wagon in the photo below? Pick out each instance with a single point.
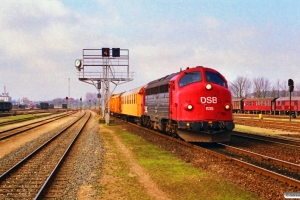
(237, 105)
(259, 105)
(283, 105)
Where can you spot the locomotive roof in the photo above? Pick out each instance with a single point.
(161, 81)
(166, 79)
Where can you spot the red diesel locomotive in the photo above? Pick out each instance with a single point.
(194, 104)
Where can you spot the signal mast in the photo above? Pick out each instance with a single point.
(102, 67)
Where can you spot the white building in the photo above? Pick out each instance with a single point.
(4, 96)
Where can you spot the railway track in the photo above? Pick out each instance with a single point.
(28, 111)
(281, 167)
(271, 124)
(8, 122)
(31, 176)
(190, 150)
(268, 138)
(23, 128)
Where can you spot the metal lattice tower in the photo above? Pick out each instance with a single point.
(102, 67)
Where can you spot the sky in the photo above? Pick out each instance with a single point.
(41, 39)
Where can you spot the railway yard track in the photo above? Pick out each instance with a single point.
(29, 111)
(35, 175)
(264, 164)
(7, 122)
(271, 160)
(4, 134)
(293, 126)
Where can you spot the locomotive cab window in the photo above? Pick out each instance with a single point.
(190, 77)
(214, 78)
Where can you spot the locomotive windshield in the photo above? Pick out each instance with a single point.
(190, 77)
(215, 78)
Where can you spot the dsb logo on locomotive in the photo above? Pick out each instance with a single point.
(208, 99)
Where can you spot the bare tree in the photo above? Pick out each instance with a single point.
(240, 87)
(261, 87)
(257, 87)
(273, 92)
(26, 100)
(91, 98)
(266, 85)
(278, 87)
(297, 90)
(284, 89)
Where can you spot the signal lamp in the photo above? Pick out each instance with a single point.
(190, 107)
(116, 52)
(291, 85)
(105, 52)
(208, 86)
(290, 82)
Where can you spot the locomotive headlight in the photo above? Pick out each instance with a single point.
(208, 86)
(188, 106)
(227, 106)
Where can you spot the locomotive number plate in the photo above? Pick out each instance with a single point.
(209, 108)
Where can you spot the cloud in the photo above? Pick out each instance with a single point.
(40, 41)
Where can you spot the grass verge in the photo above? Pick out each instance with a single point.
(180, 180)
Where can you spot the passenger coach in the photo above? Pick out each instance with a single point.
(128, 105)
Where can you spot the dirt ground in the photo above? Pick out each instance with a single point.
(148, 184)
(16, 142)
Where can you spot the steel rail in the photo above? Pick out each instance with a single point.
(274, 139)
(276, 161)
(2, 176)
(20, 120)
(60, 162)
(268, 173)
(44, 121)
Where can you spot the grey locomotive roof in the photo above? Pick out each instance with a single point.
(161, 81)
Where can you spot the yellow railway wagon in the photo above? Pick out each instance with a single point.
(115, 103)
(133, 102)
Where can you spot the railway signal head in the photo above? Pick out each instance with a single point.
(291, 85)
(116, 52)
(105, 52)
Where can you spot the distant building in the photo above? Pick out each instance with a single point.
(4, 96)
